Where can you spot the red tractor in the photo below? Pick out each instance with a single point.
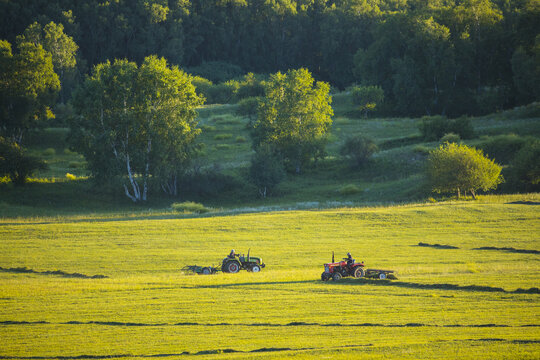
(338, 270)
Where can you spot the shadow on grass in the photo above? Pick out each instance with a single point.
(24, 270)
(450, 287)
(436, 246)
(509, 249)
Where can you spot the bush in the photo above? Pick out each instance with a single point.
(248, 107)
(222, 136)
(526, 167)
(16, 164)
(367, 97)
(190, 207)
(220, 94)
(503, 148)
(422, 149)
(240, 139)
(266, 170)
(435, 127)
(217, 71)
(71, 176)
(349, 189)
(450, 138)
(208, 183)
(202, 86)
(358, 149)
(49, 152)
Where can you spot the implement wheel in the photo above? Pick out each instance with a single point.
(206, 271)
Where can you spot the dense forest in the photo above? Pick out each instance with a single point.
(448, 57)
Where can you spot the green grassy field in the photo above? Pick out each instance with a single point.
(447, 303)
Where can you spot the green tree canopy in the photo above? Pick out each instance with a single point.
(28, 86)
(136, 122)
(456, 167)
(294, 117)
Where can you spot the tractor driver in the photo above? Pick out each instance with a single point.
(350, 260)
(232, 254)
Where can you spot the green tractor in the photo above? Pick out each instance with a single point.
(233, 263)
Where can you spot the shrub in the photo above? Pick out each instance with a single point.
(190, 207)
(450, 138)
(202, 86)
(526, 167)
(435, 127)
(349, 189)
(222, 136)
(217, 71)
(367, 97)
(503, 148)
(422, 149)
(49, 152)
(240, 139)
(358, 149)
(71, 176)
(68, 152)
(16, 164)
(266, 170)
(456, 167)
(220, 94)
(248, 107)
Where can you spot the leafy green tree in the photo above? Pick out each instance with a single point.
(266, 170)
(294, 117)
(526, 167)
(526, 68)
(137, 122)
(367, 97)
(457, 167)
(15, 163)
(358, 149)
(28, 87)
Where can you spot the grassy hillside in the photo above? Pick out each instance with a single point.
(394, 175)
(447, 303)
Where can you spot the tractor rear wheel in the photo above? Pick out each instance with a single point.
(232, 267)
(336, 277)
(325, 276)
(359, 272)
(255, 268)
(206, 271)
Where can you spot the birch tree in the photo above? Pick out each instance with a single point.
(136, 122)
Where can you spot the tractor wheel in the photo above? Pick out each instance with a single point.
(336, 277)
(232, 267)
(382, 276)
(325, 276)
(206, 271)
(359, 272)
(255, 268)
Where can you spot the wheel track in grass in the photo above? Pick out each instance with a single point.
(290, 324)
(230, 351)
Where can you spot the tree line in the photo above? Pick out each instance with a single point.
(429, 56)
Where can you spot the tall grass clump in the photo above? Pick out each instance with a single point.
(189, 207)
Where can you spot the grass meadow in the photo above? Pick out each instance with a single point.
(447, 303)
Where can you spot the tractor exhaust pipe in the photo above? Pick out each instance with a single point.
(333, 257)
